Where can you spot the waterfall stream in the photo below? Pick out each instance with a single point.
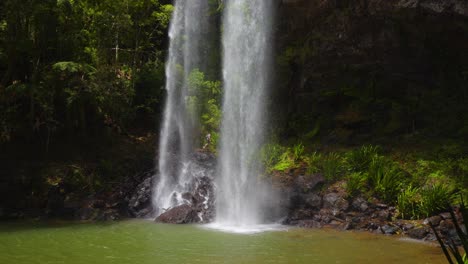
(177, 138)
(241, 197)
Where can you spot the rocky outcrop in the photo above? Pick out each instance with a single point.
(333, 208)
(139, 204)
(459, 7)
(197, 204)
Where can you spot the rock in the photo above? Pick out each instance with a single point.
(335, 201)
(335, 223)
(418, 233)
(348, 226)
(183, 214)
(107, 215)
(407, 227)
(296, 201)
(198, 206)
(139, 204)
(360, 204)
(297, 215)
(381, 206)
(326, 219)
(384, 215)
(459, 7)
(307, 184)
(430, 237)
(313, 200)
(203, 158)
(445, 215)
(389, 230)
(203, 199)
(372, 226)
(188, 197)
(309, 224)
(86, 213)
(434, 220)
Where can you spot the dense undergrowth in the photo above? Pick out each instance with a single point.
(419, 184)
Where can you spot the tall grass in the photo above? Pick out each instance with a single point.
(385, 178)
(314, 163)
(356, 183)
(414, 203)
(435, 199)
(332, 166)
(408, 202)
(271, 154)
(359, 160)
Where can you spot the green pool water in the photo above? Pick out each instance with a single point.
(143, 242)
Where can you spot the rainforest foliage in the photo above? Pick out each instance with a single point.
(75, 67)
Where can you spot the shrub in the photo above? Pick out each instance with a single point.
(332, 166)
(356, 183)
(298, 151)
(435, 199)
(314, 163)
(408, 202)
(286, 162)
(271, 154)
(385, 178)
(359, 160)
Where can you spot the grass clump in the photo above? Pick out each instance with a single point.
(414, 202)
(435, 199)
(385, 178)
(408, 202)
(275, 157)
(356, 183)
(332, 166)
(271, 154)
(314, 163)
(359, 160)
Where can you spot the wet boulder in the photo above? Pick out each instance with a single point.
(418, 233)
(182, 214)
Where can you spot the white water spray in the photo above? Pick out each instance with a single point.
(241, 197)
(177, 138)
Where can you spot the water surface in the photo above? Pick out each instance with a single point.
(141, 242)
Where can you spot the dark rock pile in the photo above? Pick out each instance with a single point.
(198, 206)
(311, 207)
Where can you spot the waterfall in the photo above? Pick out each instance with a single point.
(177, 140)
(247, 48)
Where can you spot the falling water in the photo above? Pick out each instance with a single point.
(241, 196)
(186, 33)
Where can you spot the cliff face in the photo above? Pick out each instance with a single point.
(358, 69)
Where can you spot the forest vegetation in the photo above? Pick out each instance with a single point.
(375, 100)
